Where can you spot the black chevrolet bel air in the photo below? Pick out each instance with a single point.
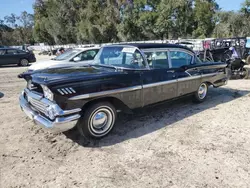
(121, 78)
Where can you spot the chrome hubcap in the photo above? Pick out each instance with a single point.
(202, 92)
(101, 121)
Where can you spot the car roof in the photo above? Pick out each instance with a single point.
(9, 49)
(87, 48)
(154, 45)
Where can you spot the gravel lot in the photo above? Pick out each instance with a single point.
(176, 144)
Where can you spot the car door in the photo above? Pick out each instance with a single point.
(2, 57)
(11, 57)
(159, 82)
(189, 77)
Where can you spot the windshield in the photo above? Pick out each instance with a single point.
(120, 56)
(66, 55)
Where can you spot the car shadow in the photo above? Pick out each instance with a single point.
(147, 120)
(12, 66)
(1, 95)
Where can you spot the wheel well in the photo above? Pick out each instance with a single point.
(118, 104)
(209, 84)
(23, 58)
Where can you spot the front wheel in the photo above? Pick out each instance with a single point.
(201, 94)
(98, 120)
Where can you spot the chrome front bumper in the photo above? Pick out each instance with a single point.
(59, 124)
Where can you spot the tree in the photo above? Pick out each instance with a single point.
(102, 21)
(17, 30)
(204, 11)
(98, 22)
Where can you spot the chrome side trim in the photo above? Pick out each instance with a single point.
(68, 90)
(209, 75)
(188, 73)
(109, 92)
(212, 66)
(67, 112)
(60, 91)
(159, 83)
(65, 91)
(134, 88)
(189, 78)
(213, 74)
(71, 89)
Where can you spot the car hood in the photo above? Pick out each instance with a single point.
(70, 74)
(55, 64)
(46, 64)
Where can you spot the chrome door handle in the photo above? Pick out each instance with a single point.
(170, 71)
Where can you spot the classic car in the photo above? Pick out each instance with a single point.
(121, 78)
(72, 57)
(10, 56)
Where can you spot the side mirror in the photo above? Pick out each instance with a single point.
(76, 59)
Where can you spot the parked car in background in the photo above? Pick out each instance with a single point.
(121, 78)
(10, 56)
(72, 57)
(3, 46)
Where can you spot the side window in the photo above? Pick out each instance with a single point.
(11, 52)
(21, 52)
(87, 55)
(179, 59)
(134, 59)
(157, 60)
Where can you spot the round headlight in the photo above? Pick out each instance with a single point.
(47, 93)
(51, 112)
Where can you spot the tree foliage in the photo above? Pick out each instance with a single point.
(101, 21)
(17, 30)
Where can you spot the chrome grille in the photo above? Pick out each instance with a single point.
(38, 105)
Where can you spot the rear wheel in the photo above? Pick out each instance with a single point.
(98, 120)
(201, 94)
(245, 74)
(24, 62)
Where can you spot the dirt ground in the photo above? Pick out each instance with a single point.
(177, 144)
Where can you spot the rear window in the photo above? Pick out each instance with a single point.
(179, 59)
